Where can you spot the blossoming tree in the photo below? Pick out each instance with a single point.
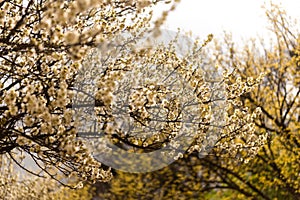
(43, 57)
(273, 173)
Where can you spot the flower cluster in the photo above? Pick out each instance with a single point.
(42, 47)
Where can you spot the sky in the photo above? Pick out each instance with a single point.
(244, 18)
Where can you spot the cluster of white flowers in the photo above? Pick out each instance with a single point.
(42, 54)
(239, 136)
(42, 46)
(106, 87)
(240, 87)
(10, 100)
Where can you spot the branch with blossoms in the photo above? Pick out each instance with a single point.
(154, 97)
(42, 44)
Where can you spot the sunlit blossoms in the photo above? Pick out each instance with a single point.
(156, 99)
(42, 45)
(71, 67)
